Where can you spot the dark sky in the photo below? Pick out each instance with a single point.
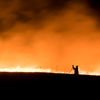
(36, 12)
(50, 33)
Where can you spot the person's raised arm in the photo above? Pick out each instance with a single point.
(73, 66)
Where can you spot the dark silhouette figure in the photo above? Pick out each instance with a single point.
(75, 70)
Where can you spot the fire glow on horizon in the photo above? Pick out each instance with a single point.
(49, 33)
(19, 69)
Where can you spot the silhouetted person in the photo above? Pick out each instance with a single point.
(75, 70)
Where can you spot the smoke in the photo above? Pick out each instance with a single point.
(49, 33)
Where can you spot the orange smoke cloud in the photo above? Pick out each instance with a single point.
(49, 35)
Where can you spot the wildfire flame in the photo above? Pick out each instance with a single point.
(19, 69)
(87, 73)
(31, 69)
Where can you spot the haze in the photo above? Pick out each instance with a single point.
(50, 33)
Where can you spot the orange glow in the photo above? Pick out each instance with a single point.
(49, 33)
(31, 69)
(87, 72)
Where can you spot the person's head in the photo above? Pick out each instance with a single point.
(76, 66)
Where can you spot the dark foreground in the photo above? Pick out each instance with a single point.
(29, 77)
(48, 84)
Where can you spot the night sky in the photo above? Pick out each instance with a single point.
(50, 33)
